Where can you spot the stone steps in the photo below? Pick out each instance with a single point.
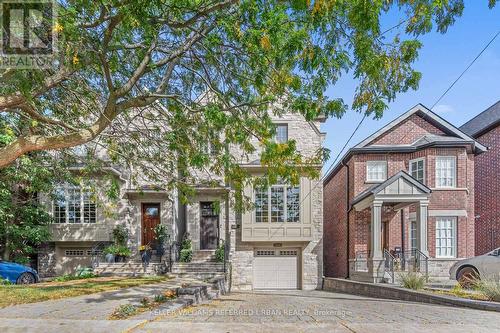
(129, 269)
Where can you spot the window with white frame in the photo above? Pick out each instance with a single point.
(376, 171)
(446, 171)
(417, 169)
(278, 203)
(413, 235)
(281, 133)
(73, 204)
(446, 237)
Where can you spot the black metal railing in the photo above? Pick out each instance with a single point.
(97, 253)
(410, 261)
(389, 263)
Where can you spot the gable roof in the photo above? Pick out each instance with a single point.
(483, 122)
(456, 138)
(430, 117)
(398, 177)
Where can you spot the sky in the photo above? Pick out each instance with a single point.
(441, 60)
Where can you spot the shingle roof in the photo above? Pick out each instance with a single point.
(483, 122)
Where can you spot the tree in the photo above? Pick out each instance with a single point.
(152, 60)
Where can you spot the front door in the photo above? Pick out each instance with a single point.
(150, 219)
(385, 236)
(209, 226)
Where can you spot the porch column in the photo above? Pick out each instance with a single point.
(422, 227)
(376, 228)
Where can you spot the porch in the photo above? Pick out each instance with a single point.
(384, 203)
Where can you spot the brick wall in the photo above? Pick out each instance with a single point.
(459, 199)
(335, 226)
(487, 187)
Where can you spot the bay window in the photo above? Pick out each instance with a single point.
(73, 204)
(278, 203)
(446, 171)
(446, 237)
(417, 169)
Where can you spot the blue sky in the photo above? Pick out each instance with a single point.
(442, 58)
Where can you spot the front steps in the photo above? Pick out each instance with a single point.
(131, 268)
(203, 266)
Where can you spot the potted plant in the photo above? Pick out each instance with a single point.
(162, 236)
(145, 253)
(119, 252)
(186, 254)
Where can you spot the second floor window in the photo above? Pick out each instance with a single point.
(417, 169)
(281, 133)
(446, 171)
(376, 171)
(278, 203)
(73, 204)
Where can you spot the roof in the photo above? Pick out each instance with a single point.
(379, 187)
(454, 138)
(483, 122)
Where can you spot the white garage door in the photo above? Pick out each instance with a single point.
(275, 269)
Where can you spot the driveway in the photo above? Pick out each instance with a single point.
(270, 311)
(300, 311)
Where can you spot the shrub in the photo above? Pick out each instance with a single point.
(489, 288)
(161, 233)
(186, 255)
(412, 280)
(220, 252)
(5, 282)
(124, 311)
(119, 250)
(120, 235)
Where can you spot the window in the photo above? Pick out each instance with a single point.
(445, 171)
(281, 133)
(446, 237)
(72, 204)
(73, 253)
(417, 169)
(413, 235)
(279, 203)
(376, 171)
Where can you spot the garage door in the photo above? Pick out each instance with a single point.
(275, 269)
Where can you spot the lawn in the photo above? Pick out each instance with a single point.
(14, 294)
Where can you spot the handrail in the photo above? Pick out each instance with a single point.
(389, 264)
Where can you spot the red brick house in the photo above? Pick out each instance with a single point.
(412, 184)
(485, 128)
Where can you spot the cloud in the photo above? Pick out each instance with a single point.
(444, 108)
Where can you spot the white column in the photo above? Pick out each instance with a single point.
(376, 228)
(422, 227)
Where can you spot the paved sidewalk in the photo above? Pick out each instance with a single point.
(94, 306)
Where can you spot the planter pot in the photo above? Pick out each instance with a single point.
(146, 257)
(110, 257)
(160, 250)
(119, 258)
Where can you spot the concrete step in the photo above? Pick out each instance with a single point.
(204, 255)
(199, 275)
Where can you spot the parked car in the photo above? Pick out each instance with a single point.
(480, 267)
(17, 273)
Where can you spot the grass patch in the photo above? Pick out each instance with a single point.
(458, 291)
(21, 294)
(489, 288)
(125, 311)
(412, 280)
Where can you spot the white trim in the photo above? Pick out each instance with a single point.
(442, 212)
(368, 180)
(455, 176)
(454, 229)
(416, 160)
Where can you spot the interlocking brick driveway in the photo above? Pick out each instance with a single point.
(290, 311)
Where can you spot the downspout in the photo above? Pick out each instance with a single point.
(348, 209)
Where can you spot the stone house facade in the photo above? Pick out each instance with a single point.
(485, 128)
(277, 244)
(412, 182)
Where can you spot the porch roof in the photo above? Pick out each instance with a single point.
(399, 188)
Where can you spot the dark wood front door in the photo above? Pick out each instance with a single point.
(209, 226)
(385, 236)
(150, 219)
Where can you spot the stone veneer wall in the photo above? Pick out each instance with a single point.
(47, 260)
